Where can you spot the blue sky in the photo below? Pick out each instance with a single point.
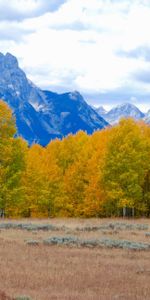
(98, 47)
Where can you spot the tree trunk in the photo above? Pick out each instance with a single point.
(133, 212)
(124, 212)
(2, 213)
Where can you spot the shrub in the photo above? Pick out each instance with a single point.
(103, 242)
(124, 244)
(23, 298)
(67, 240)
(147, 234)
(31, 227)
(49, 227)
(32, 242)
(114, 226)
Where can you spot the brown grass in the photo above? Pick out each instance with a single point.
(62, 273)
(3, 296)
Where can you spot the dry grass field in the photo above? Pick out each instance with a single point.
(41, 271)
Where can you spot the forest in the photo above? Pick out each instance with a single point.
(100, 175)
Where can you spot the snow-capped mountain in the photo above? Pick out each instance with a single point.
(123, 111)
(43, 115)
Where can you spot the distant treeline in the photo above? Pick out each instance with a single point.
(101, 175)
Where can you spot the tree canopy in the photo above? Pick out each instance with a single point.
(82, 176)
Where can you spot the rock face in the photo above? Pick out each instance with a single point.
(69, 113)
(123, 111)
(43, 115)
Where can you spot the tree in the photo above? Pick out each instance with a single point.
(34, 181)
(52, 179)
(125, 166)
(94, 191)
(146, 184)
(14, 192)
(7, 122)
(11, 160)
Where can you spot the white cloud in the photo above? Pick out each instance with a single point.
(79, 45)
(21, 9)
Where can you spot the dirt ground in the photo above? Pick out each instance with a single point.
(61, 272)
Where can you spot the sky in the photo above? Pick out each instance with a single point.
(99, 47)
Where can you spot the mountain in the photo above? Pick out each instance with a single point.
(123, 111)
(147, 117)
(43, 115)
(69, 113)
(101, 111)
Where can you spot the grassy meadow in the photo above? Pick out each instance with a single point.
(75, 259)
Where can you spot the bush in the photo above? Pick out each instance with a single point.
(68, 240)
(147, 234)
(49, 227)
(32, 242)
(103, 242)
(31, 227)
(124, 244)
(23, 298)
(114, 226)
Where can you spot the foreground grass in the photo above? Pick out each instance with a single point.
(65, 272)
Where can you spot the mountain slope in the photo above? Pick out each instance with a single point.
(123, 111)
(69, 112)
(43, 115)
(101, 111)
(147, 117)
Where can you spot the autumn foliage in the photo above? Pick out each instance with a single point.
(81, 176)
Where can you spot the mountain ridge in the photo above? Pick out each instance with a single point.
(43, 115)
(124, 110)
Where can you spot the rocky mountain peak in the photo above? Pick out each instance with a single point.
(8, 61)
(75, 95)
(101, 110)
(43, 115)
(124, 110)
